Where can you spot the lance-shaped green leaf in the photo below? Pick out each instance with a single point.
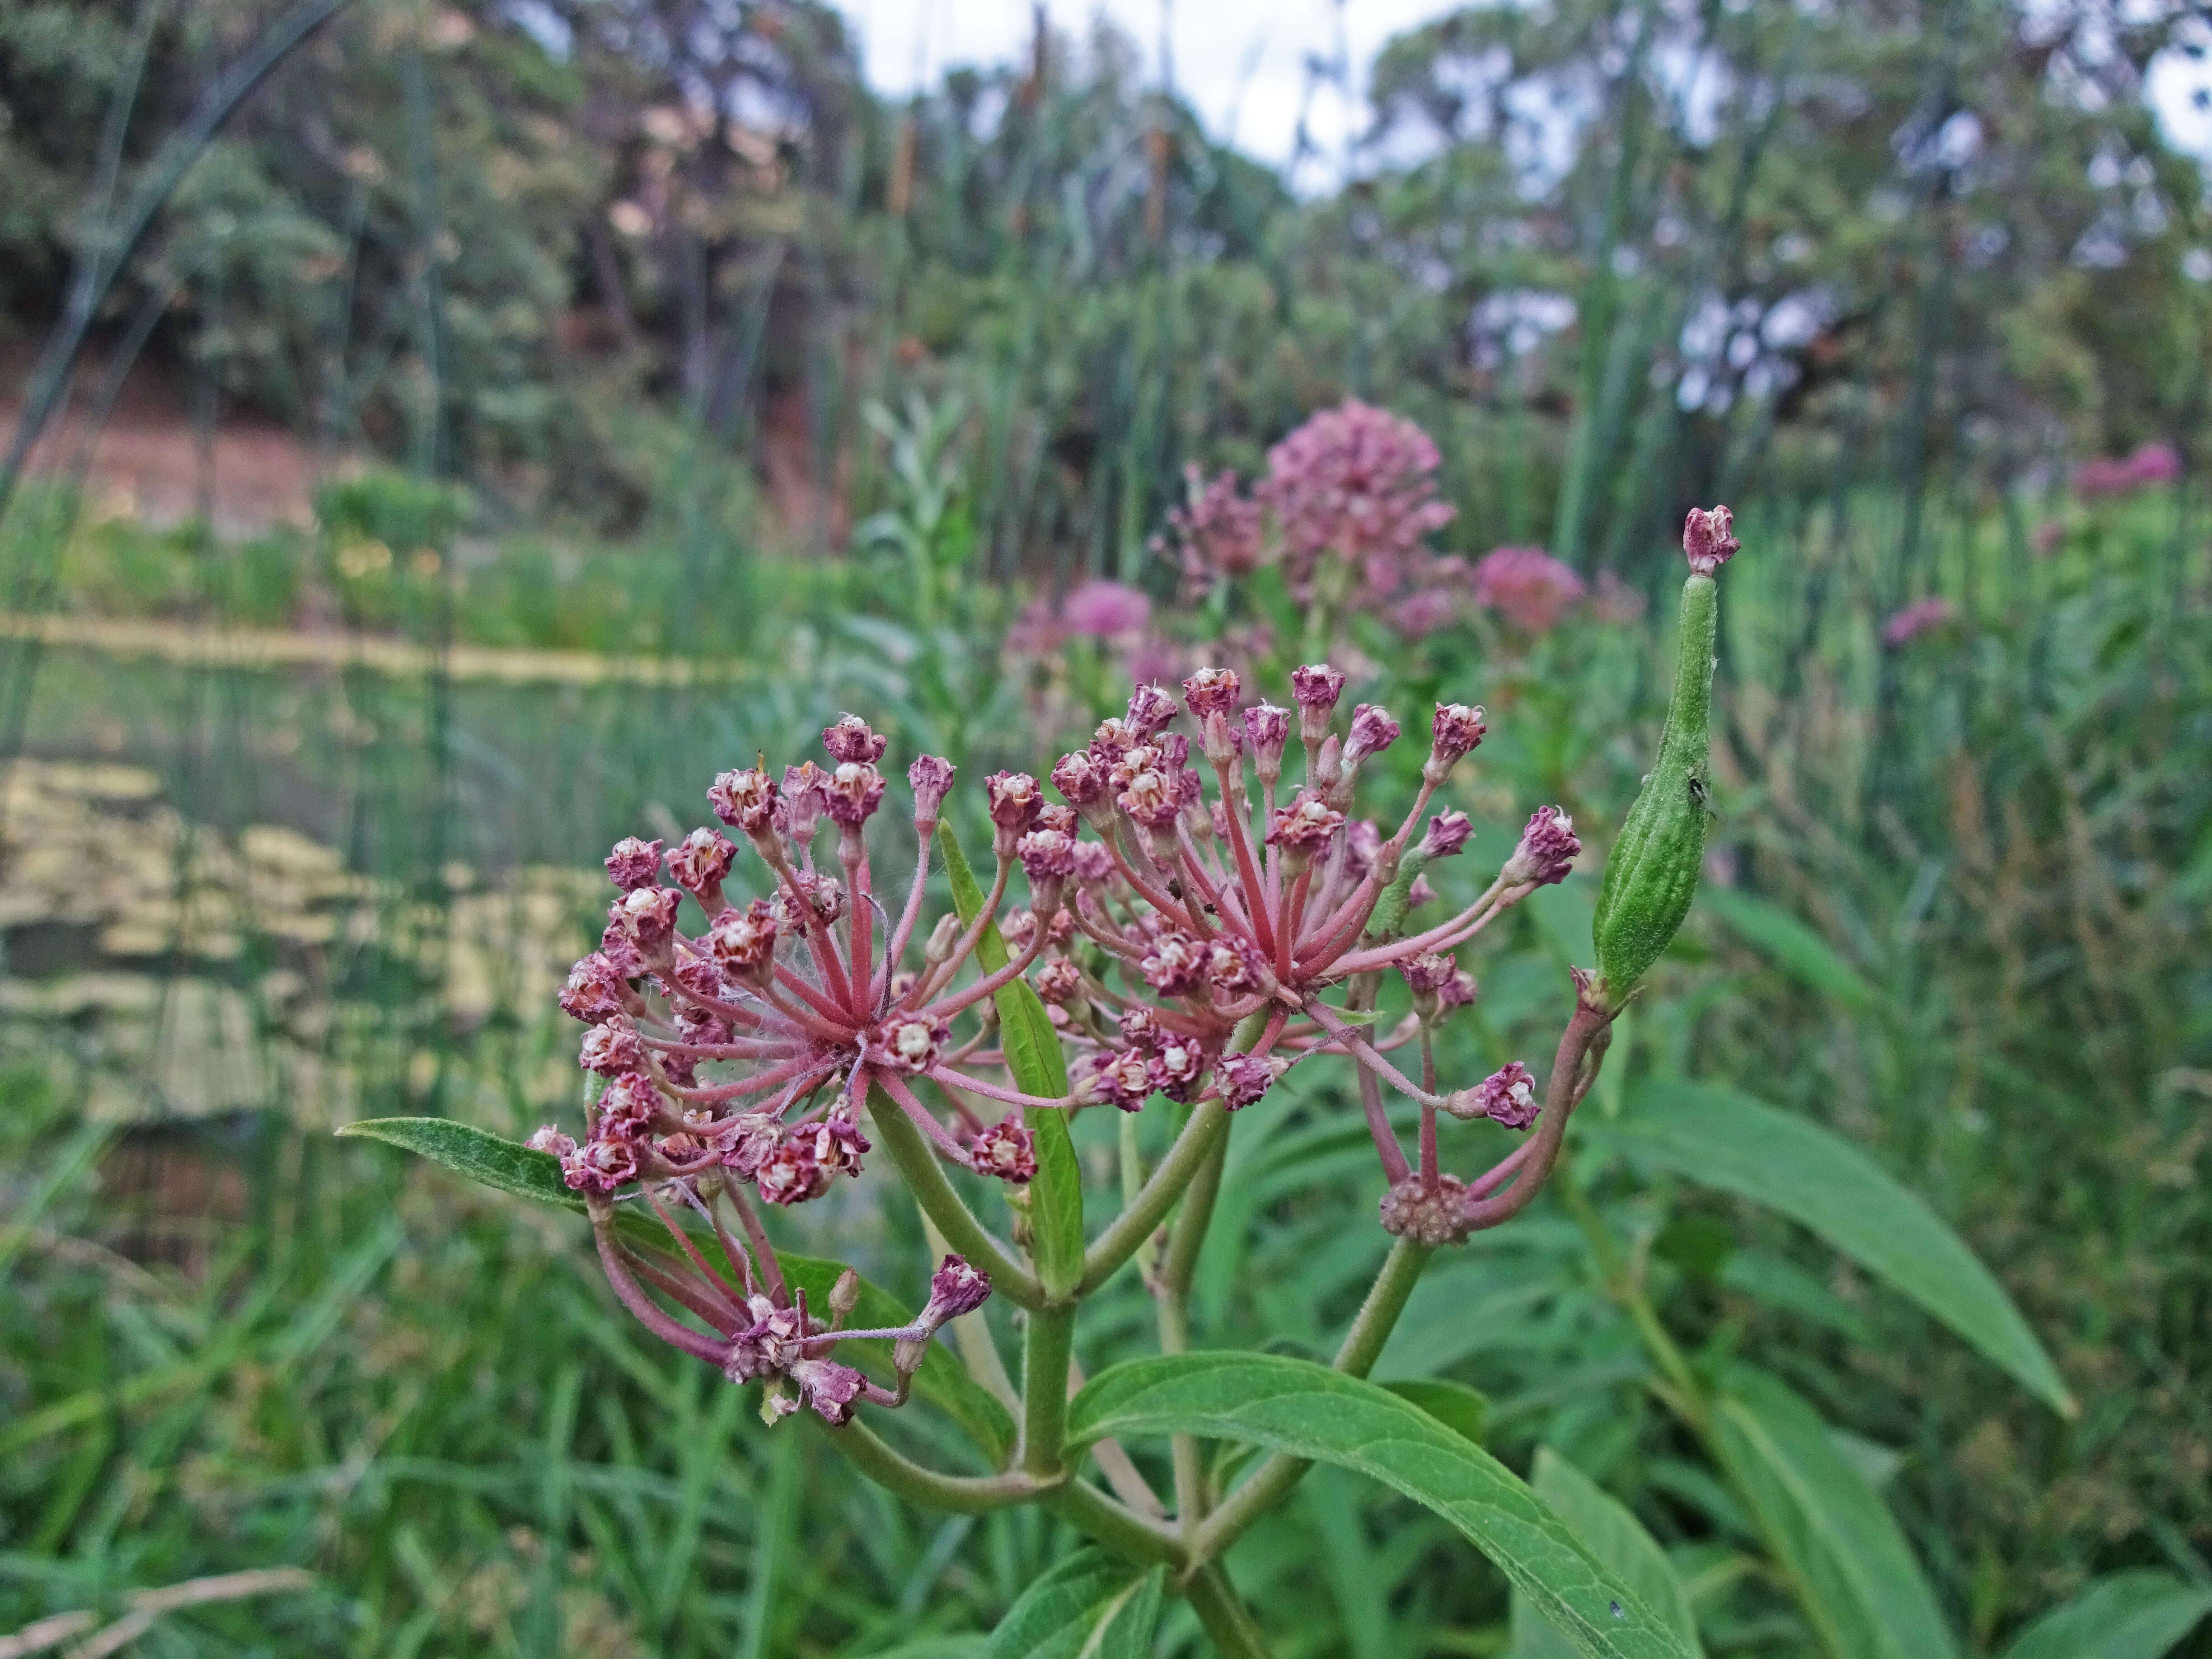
(1794, 947)
(2138, 1615)
(1033, 1055)
(1309, 1411)
(1855, 1579)
(1462, 1410)
(1616, 1538)
(484, 1157)
(1719, 1137)
(1091, 1606)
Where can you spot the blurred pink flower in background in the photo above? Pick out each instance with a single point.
(1105, 609)
(1219, 533)
(1528, 586)
(1614, 601)
(1918, 619)
(2046, 537)
(1438, 604)
(1357, 481)
(2151, 463)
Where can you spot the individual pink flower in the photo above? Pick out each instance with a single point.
(1526, 585)
(1105, 609)
(1509, 1096)
(1547, 852)
(1921, 617)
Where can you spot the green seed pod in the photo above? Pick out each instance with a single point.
(1652, 872)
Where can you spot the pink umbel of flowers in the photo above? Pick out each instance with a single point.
(2147, 464)
(1921, 617)
(1526, 586)
(1198, 930)
(1105, 609)
(1220, 532)
(1356, 484)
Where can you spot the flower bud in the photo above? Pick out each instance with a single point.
(937, 949)
(1316, 689)
(845, 1295)
(1058, 981)
(1546, 852)
(1709, 538)
(1447, 833)
(931, 779)
(1372, 732)
(1455, 732)
(1267, 728)
(634, 863)
(1651, 873)
(1150, 710)
(1013, 801)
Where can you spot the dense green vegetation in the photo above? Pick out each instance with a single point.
(815, 404)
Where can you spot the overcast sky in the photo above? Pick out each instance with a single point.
(1242, 62)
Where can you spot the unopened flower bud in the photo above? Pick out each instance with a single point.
(845, 1295)
(1316, 689)
(1005, 1149)
(937, 950)
(1244, 1078)
(1456, 729)
(634, 863)
(851, 739)
(1372, 732)
(1546, 852)
(1509, 1096)
(931, 778)
(1267, 728)
(1150, 710)
(1448, 832)
(1047, 855)
(1058, 981)
(1709, 538)
(1211, 691)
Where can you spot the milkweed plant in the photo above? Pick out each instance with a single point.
(1205, 912)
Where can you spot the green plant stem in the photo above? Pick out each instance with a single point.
(1044, 1391)
(1627, 1290)
(894, 1472)
(1221, 1611)
(1207, 1129)
(1363, 1345)
(918, 1166)
(1115, 1526)
(1173, 1295)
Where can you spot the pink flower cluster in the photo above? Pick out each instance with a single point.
(1921, 617)
(2149, 463)
(1527, 586)
(1185, 947)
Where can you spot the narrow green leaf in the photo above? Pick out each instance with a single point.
(1462, 1410)
(1091, 1606)
(477, 1153)
(1617, 1538)
(1719, 1137)
(1308, 1410)
(1857, 1581)
(2138, 1615)
(1791, 945)
(1033, 1055)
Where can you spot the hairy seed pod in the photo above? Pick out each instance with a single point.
(1652, 871)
